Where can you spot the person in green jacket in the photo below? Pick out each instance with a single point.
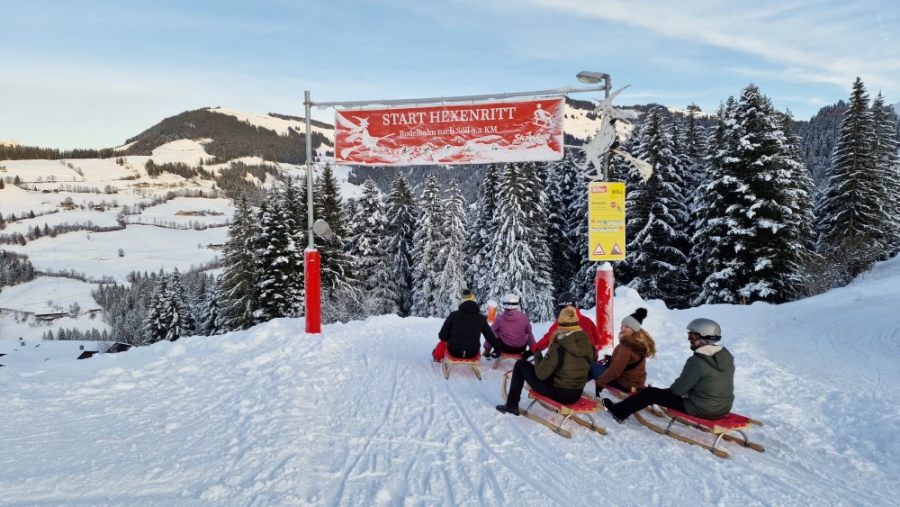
(560, 374)
(705, 387)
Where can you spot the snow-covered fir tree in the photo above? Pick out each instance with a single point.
(887, 168)
(341, 300)
(693, 147)
(714, 196)
(851, 222)
(367, 235)
(801, 224)
(657, 218)
(516, 252)
(482, 234)
(451, 260)
(753, 255)
(427, 244)
(208, 314)
(279, 281)
(564, 185)
(237, 289)
(400, 216)
(168, 316)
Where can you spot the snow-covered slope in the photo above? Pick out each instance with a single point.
(359, 415)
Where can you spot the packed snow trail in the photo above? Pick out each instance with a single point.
(359, 415)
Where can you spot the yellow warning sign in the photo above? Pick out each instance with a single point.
(606, 221)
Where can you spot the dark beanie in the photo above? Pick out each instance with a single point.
(635, 320)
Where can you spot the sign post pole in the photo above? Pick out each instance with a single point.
(311, 261)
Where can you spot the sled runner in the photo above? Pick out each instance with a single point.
(584, 405)
(450, 361)
(721, 428)
(514, 357)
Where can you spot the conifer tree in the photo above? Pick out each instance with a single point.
(209, 317)
(368, 226)
(400, 217)
(516, 253)
(693, 147)
(714, 196)
(238, 288)
(657, 218)
(279, 281)
(451, 259)
(801, 223)
(340, 297)
(850, 220)
(564, 185)
(887, 167)
(483, 232)
(757, 192)
(427, 243)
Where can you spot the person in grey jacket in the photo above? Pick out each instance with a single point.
(705, 387)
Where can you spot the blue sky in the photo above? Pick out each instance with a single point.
(90, 74)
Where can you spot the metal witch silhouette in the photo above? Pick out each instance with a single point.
(603, 140)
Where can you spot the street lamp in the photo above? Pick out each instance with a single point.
(590, 77)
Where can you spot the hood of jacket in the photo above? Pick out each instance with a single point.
(576, 343)
(716, 356)
(469, 307)
(635, 342)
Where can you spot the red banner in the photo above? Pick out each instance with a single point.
(466, 134)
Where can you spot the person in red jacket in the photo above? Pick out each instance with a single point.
(585, 323)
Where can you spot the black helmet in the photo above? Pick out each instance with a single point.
(706, 328)
(566, 299)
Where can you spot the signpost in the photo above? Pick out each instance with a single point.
(606, 221)
(533, 132)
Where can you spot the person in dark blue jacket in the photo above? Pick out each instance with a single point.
(461, 333)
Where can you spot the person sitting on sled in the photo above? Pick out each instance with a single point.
(626, 368)
(567, 299)
(512, 328)
(461, 333)
(559, 375)
(705, 387)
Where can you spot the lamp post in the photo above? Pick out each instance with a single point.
(604, 280)
(311, 259)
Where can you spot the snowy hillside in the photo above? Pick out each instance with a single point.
(360, 416)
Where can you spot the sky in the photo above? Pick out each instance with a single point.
(126, 66)
(359, 415)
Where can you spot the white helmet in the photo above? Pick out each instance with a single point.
(707, 329)
(510, 301)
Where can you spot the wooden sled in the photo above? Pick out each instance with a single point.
(514, 357)
(584, 405)
(450, 361)
(721, 428)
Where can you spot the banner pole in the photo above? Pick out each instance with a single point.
(311, 261)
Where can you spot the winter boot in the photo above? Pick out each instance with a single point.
(507, 409)
(609, 408)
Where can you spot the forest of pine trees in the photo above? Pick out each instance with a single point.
(732, 214)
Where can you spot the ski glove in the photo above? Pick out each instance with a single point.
(597, 390)
(527, 355)
(495, 353)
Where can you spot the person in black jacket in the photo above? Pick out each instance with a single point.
(461, 333)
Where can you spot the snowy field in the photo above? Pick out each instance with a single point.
(360, 416)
